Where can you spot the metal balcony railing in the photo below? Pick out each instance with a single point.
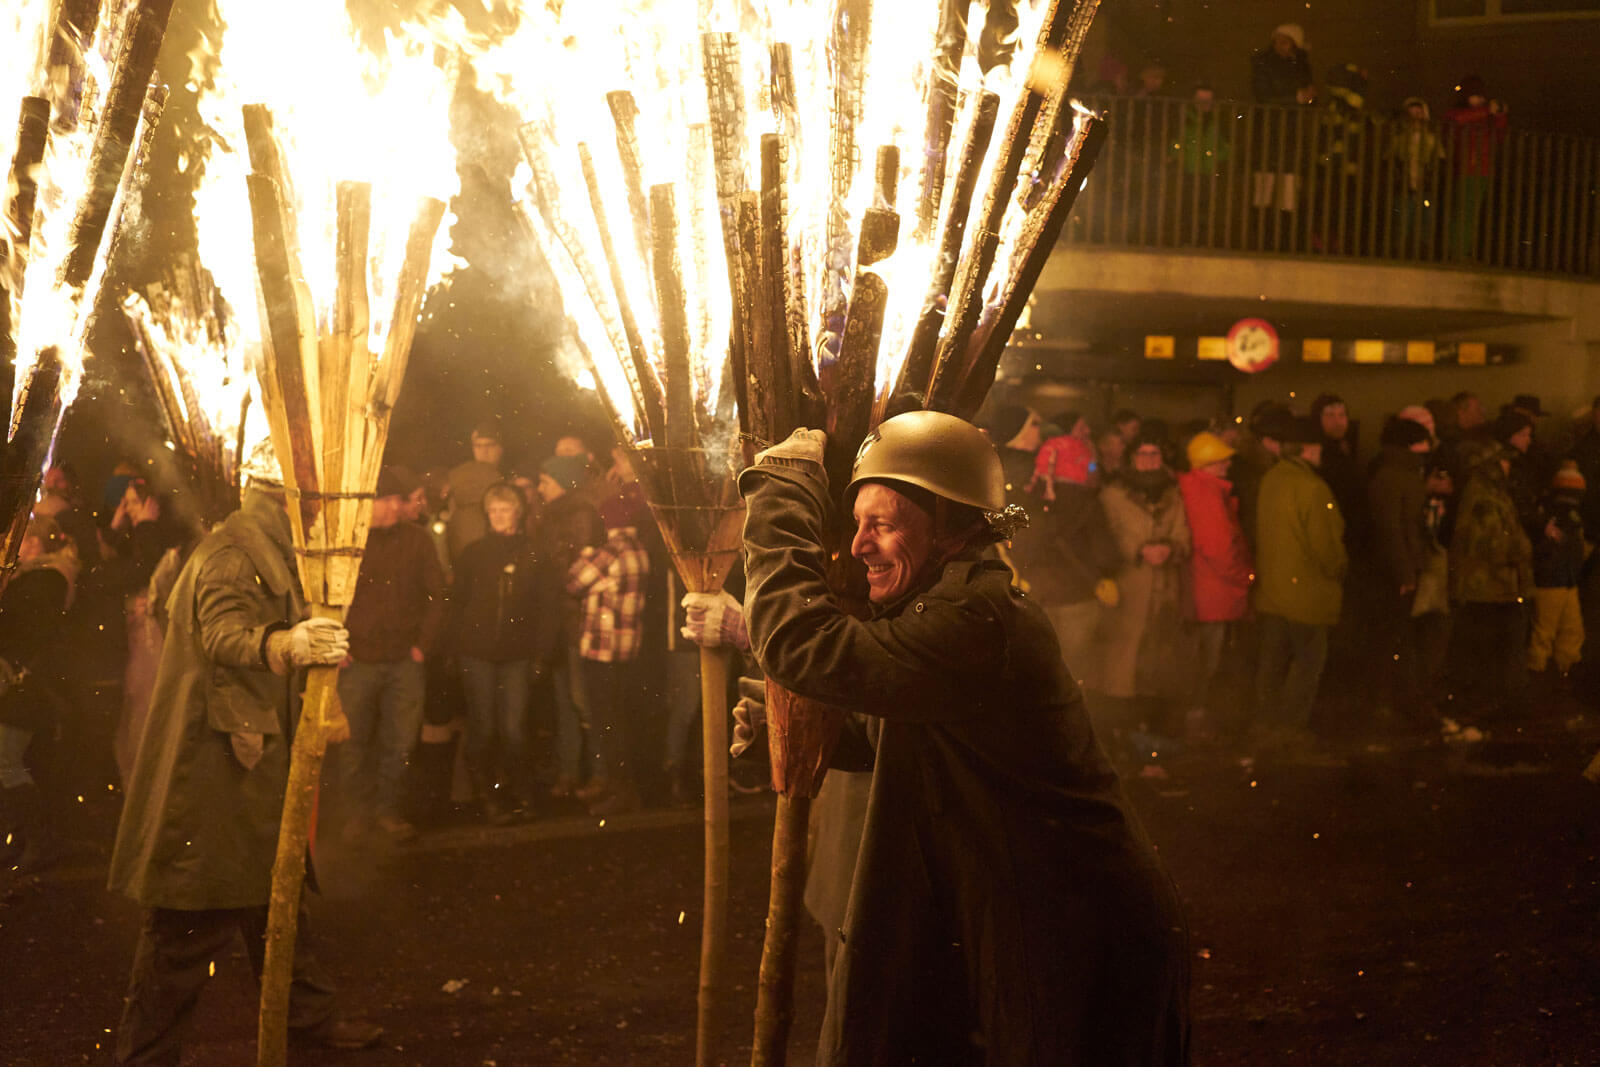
(1313, 181)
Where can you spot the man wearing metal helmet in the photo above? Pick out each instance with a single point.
(1007, 907)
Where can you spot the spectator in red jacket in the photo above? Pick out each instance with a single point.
(1220, 569)
(1476, 126)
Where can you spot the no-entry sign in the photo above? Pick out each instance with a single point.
(1252, 345)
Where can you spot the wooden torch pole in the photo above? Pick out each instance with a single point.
(714, 925)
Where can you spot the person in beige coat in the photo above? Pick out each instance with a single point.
(1142, 668)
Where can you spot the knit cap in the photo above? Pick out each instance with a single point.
(565, 471)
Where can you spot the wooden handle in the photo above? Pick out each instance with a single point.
(714, 928)
(775, 990)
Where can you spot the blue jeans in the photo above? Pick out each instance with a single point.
(383, 702)
(497, 724)
(683, 708)
(571, 705)
(1289, 666)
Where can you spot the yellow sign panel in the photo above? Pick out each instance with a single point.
(1158, 347)
(1472, 353)
(1369, 351)
(1212, 348)
(1419, 351)
(1316, 350)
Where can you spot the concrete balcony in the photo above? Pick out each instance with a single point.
(1156, 250)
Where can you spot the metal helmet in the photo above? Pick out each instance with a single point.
(947, 456)
(261, 467)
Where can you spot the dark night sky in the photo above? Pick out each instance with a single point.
(484, 346)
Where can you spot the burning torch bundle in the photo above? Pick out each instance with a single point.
(185, 332)
(773, 215)
(83, 72)
(320, 205)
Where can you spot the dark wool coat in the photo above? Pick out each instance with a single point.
(198, 829)
(1007, 907)
(505, 601)
(1396, 494)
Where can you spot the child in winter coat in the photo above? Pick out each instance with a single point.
(1558, 556)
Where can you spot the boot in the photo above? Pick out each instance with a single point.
(25, 813)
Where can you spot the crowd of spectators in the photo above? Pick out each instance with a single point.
(511, 638)
(1263, 582)
(508, 648)
(1328, 170)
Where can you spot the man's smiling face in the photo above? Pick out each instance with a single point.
(894, 538)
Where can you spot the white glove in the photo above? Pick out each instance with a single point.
(749, 715)
(312, 643)
(805, 446)
(714, 620)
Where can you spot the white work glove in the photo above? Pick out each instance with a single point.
(802, 446)
(749, 715)
(312, 643)
(714, 620)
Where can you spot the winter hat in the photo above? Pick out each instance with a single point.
(1569, 477)
(1509, 424)
(565, 471)
(1419, 414)
(1526, 403)
(1470, 86)
(1074, 459)
(1269, 419)
(1417, 101)
(1403, 433)
(623, 508)
(1292, 31)
(1006, 423)
(396, 481)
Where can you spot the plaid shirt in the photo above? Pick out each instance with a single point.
(611, 581)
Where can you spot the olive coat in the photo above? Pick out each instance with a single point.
(1300, 556)
(1007, 907)
(199, 829)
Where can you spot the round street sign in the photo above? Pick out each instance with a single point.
(1252, 345)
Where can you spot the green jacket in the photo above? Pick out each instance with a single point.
(1003, 884)
(1491, 560)
(199, 830)
(1300, 558)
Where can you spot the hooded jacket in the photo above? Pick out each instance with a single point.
(199, 829)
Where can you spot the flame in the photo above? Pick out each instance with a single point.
(45, 311)
(24, 38)
(200, 370)
(860, 79)
(346, 107)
